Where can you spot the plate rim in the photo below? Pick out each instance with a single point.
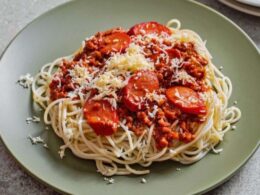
(241, 9)
(201, 190)
(246, 2)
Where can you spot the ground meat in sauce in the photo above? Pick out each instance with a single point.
(167, 114)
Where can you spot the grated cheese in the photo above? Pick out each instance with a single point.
(45, 146)
(155, 110)
(109, 180)
(34, 119)
(25, 80)
(132, 60)
(155, 97)
(80, 74)
(143, 181)
(184, 77)
(61, 152)
(35, 140)
(108, 80)
(176, 63)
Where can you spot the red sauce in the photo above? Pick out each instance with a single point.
(133, 105)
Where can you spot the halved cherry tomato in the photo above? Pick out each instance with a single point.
(101, 117)
(115, 42)
(186, 99)
(149, 27)
(138, 85)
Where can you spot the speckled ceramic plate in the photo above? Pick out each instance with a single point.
(60, 31)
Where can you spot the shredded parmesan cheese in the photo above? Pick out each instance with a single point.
(109, 180)
(80, 74)
(35, 140)
(132, 60)
(45, 146)
(62, 152)
(143, 181)
(25, 80)
(184, 77)
(155, 97)
(34, 119)
(155, 110)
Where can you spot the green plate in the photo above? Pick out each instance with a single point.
(60, 31)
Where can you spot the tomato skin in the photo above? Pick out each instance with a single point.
(101, 117)
(138, 85)
(149, 27)
(186, 99)
(115, 42)
(130, 102)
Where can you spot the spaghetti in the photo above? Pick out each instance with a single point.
(137, 82)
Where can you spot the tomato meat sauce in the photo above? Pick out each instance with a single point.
(157, 98)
